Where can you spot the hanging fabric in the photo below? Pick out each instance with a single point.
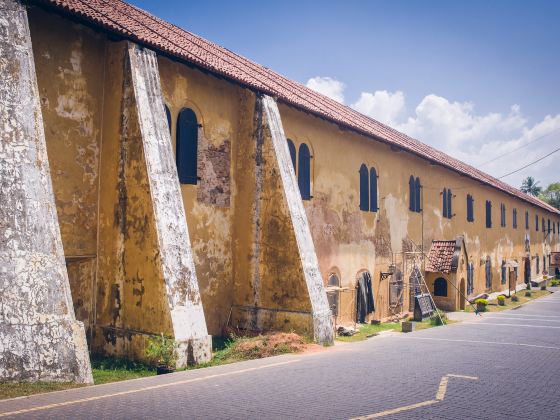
(364, 297)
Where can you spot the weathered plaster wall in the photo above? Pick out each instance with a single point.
(40, 338)
(209, 204)
(349, 241)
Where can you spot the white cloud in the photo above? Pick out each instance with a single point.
(384, 106)
(328, 87)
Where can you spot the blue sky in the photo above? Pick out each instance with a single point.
(476, 79)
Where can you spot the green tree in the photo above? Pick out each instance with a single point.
(551, 195)
(530, 186)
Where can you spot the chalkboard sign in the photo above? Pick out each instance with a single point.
(422, 307)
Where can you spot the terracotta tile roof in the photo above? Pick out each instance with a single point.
(440, 256)
(140, 26)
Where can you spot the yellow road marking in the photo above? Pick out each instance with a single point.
(396, 410)
(440, 396)
(148, 388)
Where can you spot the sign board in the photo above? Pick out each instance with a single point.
(423, 307)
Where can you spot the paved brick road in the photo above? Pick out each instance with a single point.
(515, 355)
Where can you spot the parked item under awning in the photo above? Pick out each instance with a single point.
(364, 296)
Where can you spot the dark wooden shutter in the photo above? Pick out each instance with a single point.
(292, 149)
(449, 200)
(373, 190)
(444, 203)
(168, 115)
(417, 195)
(304, 172)
(187, 146)
(411, 194)
(364, 188)
(440, 287)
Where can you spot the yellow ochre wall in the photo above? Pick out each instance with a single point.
(245, 254)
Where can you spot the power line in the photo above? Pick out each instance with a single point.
(529, 164)
(520, 147)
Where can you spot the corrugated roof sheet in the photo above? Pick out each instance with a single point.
(140, 26)
(440, 256)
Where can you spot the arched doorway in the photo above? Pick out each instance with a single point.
(462, 295)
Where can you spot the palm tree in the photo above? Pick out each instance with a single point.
(530, 186)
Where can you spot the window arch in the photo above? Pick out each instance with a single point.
(304, 171)
(488, 269)
(417, 195)
(373, 190)
(187, 146)
(411, 194)
(364, 188)
(292, 149)
(440, 287)
(168, 116)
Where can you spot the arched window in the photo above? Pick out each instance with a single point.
(304, 172)
(449, 200)
(440, 287)
(168, 115)
(373, 190)
(444, 205)
(411, 194)
(292, 150)
(417, 196)
(488, 269)
(364, 188)
(187, 146)
(504, 272)
(488, 214)
(333, 280)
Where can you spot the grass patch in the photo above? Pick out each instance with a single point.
(237, 349)
(109, 369)
(20, 389)
(367, 330)
(509, 304)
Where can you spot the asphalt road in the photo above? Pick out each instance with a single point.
(504, 365)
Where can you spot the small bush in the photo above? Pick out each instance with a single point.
(435, 319)
(481, 305)
(501, 300)
(528, 293)
(162, 350)
(555, 283)
(514, 298)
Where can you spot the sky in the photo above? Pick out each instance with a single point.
(477, 79)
